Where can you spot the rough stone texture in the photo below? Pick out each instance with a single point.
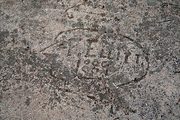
(89, 59)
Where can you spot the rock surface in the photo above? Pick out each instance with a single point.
(89, 59)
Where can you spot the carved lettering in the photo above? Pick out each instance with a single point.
(90, 48)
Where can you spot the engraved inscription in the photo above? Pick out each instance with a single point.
(95, 56)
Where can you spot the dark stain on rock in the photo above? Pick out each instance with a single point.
(132, 3)
(1, 97)
(3, 35)
(111, 111)
(124, 105)
(36, 4)
(97, 107)
(28, 101)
